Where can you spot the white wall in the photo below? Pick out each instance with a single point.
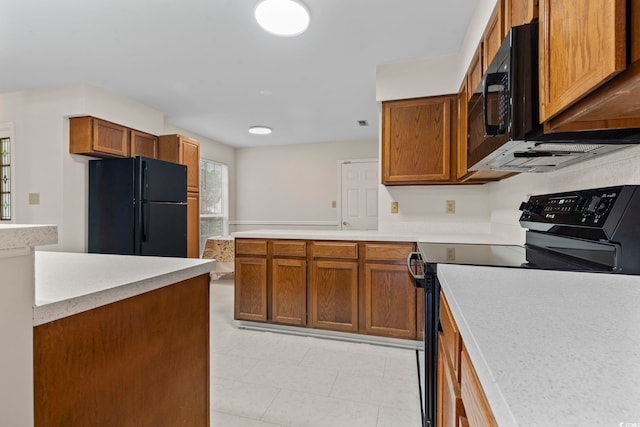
(413, 79)
(42, 160)
(292, 186)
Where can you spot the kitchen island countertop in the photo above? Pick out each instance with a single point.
(69, 283)
(550, 348)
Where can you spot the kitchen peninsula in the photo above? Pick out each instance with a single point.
(116, 340)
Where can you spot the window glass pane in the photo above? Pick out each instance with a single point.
(213, 200)
(5, 179)
(211, 188)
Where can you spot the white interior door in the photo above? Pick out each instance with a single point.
(359, 195)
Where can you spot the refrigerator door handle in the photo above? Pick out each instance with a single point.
(144, 226)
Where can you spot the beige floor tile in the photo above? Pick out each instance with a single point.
(293, 377)
(232, 367)
(220, 419)
(241, 399)
(298, 409)
(345, 362)
(390, 417)
(391, 392)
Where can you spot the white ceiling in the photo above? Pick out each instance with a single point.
(204, 63)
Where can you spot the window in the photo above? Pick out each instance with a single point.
(5, 177)
(214, 210)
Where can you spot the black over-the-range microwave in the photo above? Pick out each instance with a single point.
(503, 117)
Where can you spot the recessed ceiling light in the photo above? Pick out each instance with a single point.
(282, 17)
(260, 130)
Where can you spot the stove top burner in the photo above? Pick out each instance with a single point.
(512, 256)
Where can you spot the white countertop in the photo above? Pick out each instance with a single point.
(69, 283)
(373, 235)
(550, 348)
(19, 235)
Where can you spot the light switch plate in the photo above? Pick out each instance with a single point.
(34, 198)
(333, 203)
(394, 207)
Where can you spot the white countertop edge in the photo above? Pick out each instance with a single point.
(24, 235)
(49, 312)
(375, 235)
(493, 393)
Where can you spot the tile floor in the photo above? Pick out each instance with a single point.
(265, 379)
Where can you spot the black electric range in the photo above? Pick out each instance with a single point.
(595, 230)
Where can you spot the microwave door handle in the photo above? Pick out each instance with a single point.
(485, 104)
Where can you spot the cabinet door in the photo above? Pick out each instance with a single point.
(98, 138)
(582, 45)
(416, 140)
(450, 407)
(519, 12)
(143, 144)
(493, 35)
(193, 225)
(289, 291)
(334, 295)
(190, 155)
(390, 301)
(475, 403)
(251, 289)
(110, 138)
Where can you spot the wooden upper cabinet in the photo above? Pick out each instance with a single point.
(99, 138)
(474, 74)
(416, 140)
(519, 12)
(143, 144)
(493, 35)
(183, 150)
(582, 45)
(193, 225)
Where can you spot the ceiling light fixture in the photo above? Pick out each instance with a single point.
(282, 17)
(260, 130)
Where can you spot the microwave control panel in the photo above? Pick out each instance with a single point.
(589, 208)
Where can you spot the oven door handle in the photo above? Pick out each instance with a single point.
(415, 256)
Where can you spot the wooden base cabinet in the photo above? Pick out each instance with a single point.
(142, 361)
(461, 400)
(361, 287)
(450, 407)
(389, 293)
(289, 291)
(334, 295)
(251, 280)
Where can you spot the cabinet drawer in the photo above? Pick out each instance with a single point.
(387, 252)
(475, 402)
(251, 247)
(334, 250)
(297, 248)
(450, 335)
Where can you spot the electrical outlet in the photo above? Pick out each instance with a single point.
(333, 203)
(450, 206)
(34, 198)
(451, 254)
(394, 207)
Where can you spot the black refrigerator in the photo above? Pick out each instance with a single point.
(137, 206)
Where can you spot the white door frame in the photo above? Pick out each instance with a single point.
(339, 198)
